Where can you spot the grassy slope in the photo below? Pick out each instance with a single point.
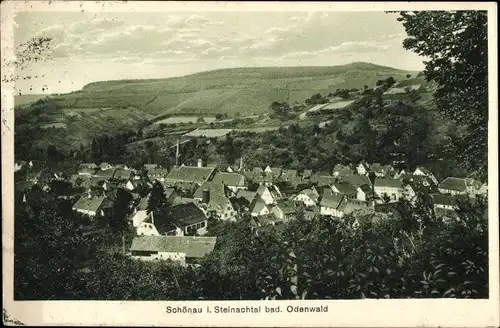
(104, 107)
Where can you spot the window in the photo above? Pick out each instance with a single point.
(393, 196)
(202, 225)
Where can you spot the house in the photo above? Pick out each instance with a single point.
(91, 206)
(309, 197)
(345, 188)
(92, 166)
(425, 172)
(171, 193)
(365, 193)
(246, 197)
(105, 166)
(453, 186)
(157, 173)
(483, 190)
(86, 171)
(122, 174)
(350, 206)
(183, 219)
(258, 207)
(190, 219)
(284, 210)
(265, 193)
(140, 212)
(108, 173)
(392, 188)
(215, 197)
(321, 180)
(340, 169)
(330, 202)
(362, 168)
(381, 170)
(18, 165)
(356, 180)
(233, 181)
(409, 193)
(288, 173)
(473, 186)
(446, 202)
(181, 249)
(149, 167)
(192, 174)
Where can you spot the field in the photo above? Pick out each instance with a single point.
(338, 105)
(184, 119)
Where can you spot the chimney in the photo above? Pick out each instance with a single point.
(177, 154)
(241, 162)
(200, 162)
(123, 244)
(206, 196)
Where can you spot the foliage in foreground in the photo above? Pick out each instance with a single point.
(412, 256)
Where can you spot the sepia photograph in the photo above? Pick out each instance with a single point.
(265, 155)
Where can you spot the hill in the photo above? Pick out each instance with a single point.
(103, 107)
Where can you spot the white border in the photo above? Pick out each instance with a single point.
(356, 313)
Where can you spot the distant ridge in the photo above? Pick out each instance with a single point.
(278, 71)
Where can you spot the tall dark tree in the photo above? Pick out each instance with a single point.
(157, 202)
(456, 43)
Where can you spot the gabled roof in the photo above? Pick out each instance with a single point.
(169, 192)
(452, 183)
(321, 180)
(423, 170)
(310, 192)
(88, 165)
(257, 205)
(331, 200)
(89, 204)
(150, 166)
(122, 174)
(157, 172)
(192, 246)
(276, 171)
(388, 183)
(143, 204)
(229, 179)
(183, 200)
(190, 174)
(356, 180)
(440, 199)
(366, 189)
(341, 168)
(248, 195)
(86, 170)
(352, 205)
(104, 164)
(285, 206)
(105, 173)
(187, 214)
(345, 188)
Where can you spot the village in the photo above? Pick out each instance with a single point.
(268, 196)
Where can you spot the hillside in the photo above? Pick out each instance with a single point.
(103, 107)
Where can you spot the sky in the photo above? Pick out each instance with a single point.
(88, 47)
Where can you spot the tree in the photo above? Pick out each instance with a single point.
(457, 50)
(280, 109)
(117, 220)
(157, 201)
